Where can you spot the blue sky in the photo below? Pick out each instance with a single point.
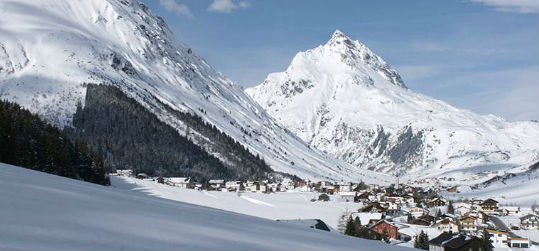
(481, 55)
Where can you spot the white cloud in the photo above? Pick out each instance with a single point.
(176, 8)
(226, 6)
(519, 6)
(244, 4)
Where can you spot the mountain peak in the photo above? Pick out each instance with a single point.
(339, 37)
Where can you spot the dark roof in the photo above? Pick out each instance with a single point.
(489, 201)
(460, 241)
(420, 222)
(528, 216)
(453, 241)
(445, 236)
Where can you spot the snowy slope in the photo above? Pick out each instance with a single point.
(47, 212)
(50, 49)
(513, 186)
(346, 101)
(274, 206)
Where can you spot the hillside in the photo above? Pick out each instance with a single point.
(84, 216)
(50, 51)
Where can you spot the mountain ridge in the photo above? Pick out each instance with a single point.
(52, 49)
(346, 101)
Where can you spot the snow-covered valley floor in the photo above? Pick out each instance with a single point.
(47, 212)
(274, 206)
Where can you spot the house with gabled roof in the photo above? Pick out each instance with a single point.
(454, 242)
(529, 222)
(489, 205)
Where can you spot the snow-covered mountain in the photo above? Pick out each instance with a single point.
(346, 101)
(50, 50)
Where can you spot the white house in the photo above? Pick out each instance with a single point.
(517, 242)
(181, 182)
(499, 238)
(345, 186)
(256, 186)
(233, 186)
(126, 172)
(447, 225)
(417, 211)
(347, 196)
(217, 184)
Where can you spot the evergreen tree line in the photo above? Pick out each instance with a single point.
(237, 157)
(131, 137)
(28, 141)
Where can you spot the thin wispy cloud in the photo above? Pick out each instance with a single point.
(178, 9)
(227, 6)
(519, 6)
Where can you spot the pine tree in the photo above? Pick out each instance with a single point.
(357, 224)
(438, 213)
(487, 242)
(350, 229)
(409, 218)
(425, 244)
(450, 208)
(418, 240)
(422, 241)
(385, 236)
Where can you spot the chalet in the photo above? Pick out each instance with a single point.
(417, 211)
(256, 186)
(343, 187)
(447, 225)
(421, 222)
(324, 187)
(489, 205)
(181, 182)
(348, 196)
(363, 196)
(373, 207)
(499, 238)
(304, 185)
(510, 210)
(410, 199)
(436, 202)
(529, 222)
(216, 184)
(142, 176)
(126, 172)
(428, 218)
(393, 208)
(234, 186)
(469, 224)
(518, 242)
(367, 219)
(454, 242)
(452, 189)
(383, 227)
(291, 185)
